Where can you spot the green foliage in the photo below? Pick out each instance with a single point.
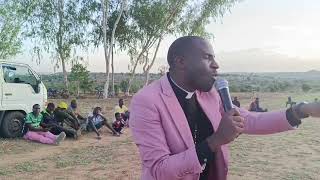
(124, 85)
(306, 87)
(81, 75)
(10, 30)
(199, 13)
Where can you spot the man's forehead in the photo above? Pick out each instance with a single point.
(204, 46)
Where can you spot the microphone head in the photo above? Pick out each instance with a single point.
(221, 84)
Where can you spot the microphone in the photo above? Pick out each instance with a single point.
(222, 87)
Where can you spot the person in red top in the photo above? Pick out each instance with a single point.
(118, 124)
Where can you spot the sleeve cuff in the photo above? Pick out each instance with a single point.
(293, 121)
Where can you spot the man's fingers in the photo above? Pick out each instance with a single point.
(239, 124)
(233, 112)
(239, 129)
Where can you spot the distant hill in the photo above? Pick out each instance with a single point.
(261, 60)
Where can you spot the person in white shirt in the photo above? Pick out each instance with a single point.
(96, 120)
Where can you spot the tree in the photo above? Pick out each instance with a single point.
(10, 30)
(163, 69)
(306, 87)
(81, 76)
(150, 22)
(105, 16)
(56, 27)
(154, 20)
(112, 41)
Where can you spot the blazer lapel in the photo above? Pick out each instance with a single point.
(208, 108)
(176, 111)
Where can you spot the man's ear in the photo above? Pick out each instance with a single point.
(179, 63)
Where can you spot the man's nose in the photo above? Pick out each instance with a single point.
(214, 65)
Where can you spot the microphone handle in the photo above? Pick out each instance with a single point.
(226, 99)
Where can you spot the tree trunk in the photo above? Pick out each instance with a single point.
(61, 53)
(147, 75)
(105, 46)
(133, 71)
(123, 4)
(78, 88)
(132, 76)
(112, 74)
(65, 73)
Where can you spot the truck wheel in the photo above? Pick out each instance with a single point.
(12, 124)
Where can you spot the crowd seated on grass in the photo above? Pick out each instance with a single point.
(53, 124)
(34, 130)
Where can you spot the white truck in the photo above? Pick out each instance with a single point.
(20, 89)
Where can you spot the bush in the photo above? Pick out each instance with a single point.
(305, 87)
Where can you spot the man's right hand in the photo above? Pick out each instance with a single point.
(230, 127)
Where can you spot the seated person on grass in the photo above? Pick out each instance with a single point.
(96, 120)
(68, 121)
(255, 106)
(74, 110)
(118, 124)
(34, 132)
(122, 109)
(49, 121)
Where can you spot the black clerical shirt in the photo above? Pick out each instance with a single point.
(200, 126)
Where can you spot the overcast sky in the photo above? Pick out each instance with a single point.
(281, 35)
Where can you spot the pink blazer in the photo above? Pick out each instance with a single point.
(161, 132)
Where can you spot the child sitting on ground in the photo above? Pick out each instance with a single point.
(119, 123)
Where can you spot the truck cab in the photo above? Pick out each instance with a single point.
(20, 89)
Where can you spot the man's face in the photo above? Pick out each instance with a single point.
(74, 105)
(118, 117)
(96, 112)
(201, 67)
(50, 108)
(236, 98)
(36, 110)
(120, 102)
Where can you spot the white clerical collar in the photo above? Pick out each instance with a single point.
(189, 94)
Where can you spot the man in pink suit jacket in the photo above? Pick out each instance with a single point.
(164, 133)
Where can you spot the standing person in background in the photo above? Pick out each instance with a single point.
(34, 131)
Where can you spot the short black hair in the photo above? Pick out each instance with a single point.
(180, 47)
(34, 106)
(50, 105)
(116, 114)
(97, 109)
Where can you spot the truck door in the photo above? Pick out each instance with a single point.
(20, 87)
